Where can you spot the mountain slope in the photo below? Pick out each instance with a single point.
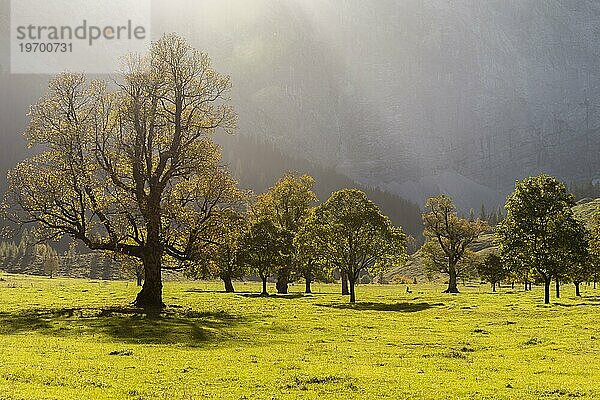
(408, 96)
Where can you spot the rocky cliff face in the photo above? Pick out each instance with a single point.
(411, 96)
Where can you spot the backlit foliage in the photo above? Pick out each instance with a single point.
(131, 168)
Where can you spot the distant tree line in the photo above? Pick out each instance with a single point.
(493, 218)
(29, 256)
(28, 252)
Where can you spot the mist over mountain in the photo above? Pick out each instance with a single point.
(411, 97)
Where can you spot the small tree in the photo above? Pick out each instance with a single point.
(219, 256)
(518, 272)
(309, 260)
(287, 204)
(579, 272)
(451, 233)
(540, 230)
(262, 249)
(353, 236)
(131, 266)
(435, 261)
(138, 269)
(50, 261)
(492, 269)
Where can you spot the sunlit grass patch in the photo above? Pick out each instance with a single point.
(72, 339)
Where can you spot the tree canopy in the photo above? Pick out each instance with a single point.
(492, 269)
(131, 170)
(540, 231)
(262, 249)
(287, 204)
(451, 233)
(349, 231)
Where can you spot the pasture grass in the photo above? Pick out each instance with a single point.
(79, 339)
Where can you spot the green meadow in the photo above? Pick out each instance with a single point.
(78, 339)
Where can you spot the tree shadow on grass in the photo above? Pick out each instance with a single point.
(591, 298)
(196, 290)
(591, 304)
(369, 306)
(128, 325)
(288, 296)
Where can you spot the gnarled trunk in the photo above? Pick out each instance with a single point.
(345, 290)
(283, 277)
(452, 287)
(228, 283)
(150, 297)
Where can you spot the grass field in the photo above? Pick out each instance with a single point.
(77, 339)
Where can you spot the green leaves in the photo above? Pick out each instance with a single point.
(449, 236)
(540, 231)
(263, 247)
(491, 268)
(111, 162)
(349, 231)
(288, 202)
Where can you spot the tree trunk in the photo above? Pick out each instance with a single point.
(150, 297)
(345, 290)
(228, 284)
(577, 292)
(557, 283)
(352, 293)
(493, 287)
(512, 285)
(307, 290)
(452, 288)
(526, 286)
(264, 287)
(530, 286)
(283, 277)
(140, 278)
(547, 291)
